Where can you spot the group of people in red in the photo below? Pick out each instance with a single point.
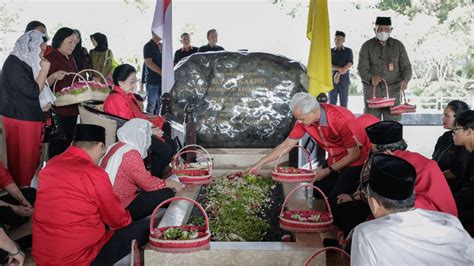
(413, 192)
(86, 210)
(369, 173)
(93, 200)
(30, 75)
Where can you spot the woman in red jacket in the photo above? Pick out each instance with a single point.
(121, 102)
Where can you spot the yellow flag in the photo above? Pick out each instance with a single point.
(319, 62)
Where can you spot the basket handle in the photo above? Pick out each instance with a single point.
(68, 73)
(287, 150)
(200, 147)
(135, 258)
(204, 214)
(403, 98)
(301, 186)
(311, 258)
(386, 89)
(95, 71)
(174, 163)
(80, 77)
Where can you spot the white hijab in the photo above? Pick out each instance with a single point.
(27, 49)
(136, 134)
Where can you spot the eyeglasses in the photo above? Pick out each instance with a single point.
(456, 129)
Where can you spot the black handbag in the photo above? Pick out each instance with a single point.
(54, 131)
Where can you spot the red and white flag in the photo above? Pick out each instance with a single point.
(162, 26)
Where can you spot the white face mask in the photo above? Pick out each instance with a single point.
(382, 36)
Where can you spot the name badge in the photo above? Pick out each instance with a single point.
(391, 67)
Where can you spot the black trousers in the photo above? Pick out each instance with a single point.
(68, 123)
(465, 205)
(144, 204)
(120, 244)
(7, 216)
(345, 182)
(349, 214)
(161, 154)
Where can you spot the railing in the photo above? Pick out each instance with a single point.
(438, 103)
(424, 104)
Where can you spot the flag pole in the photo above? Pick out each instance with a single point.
(163, 27)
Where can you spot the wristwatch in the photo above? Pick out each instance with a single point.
(18, 252)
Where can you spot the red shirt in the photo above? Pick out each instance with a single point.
(131, 175)
(431, 189)
(332, 133)
(5, 177)
(357, 127)
(61, 62)
(74, 204)
(126, 106)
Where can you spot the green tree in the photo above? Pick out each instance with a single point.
(446, 49)
(141, 5)
(8, 21)
(401, 6)
(295, 9)
(439, 8)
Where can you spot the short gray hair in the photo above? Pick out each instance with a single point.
(393, 205)
(304, 102)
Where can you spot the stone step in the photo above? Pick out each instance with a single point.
(239, 253)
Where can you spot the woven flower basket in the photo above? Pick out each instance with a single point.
(323, 223)
(290, 174)
(157, 242)
(100, 91)
(189, 175)
(403, 108)
(321, 251)
(89, 94)
(70, 99)
(376, 102)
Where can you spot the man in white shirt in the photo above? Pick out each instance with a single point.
(400, 234)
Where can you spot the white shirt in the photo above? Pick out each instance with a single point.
(415, 237)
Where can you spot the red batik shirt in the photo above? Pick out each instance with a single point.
(131, 175)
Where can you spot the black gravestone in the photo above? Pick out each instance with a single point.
(240, 100)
